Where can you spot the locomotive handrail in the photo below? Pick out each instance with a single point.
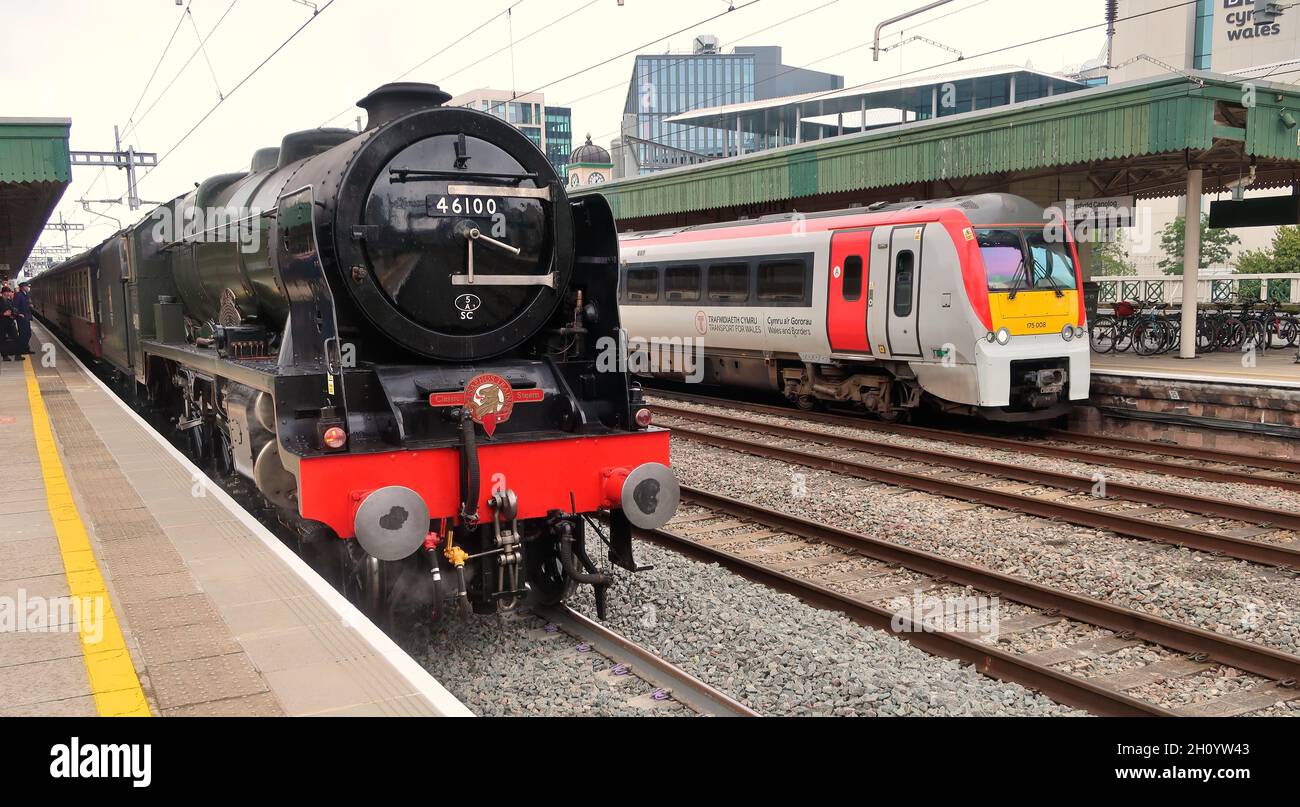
(424, 175)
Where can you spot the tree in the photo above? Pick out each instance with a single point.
(1110, 258)
(1282, 257)
(1215, 245)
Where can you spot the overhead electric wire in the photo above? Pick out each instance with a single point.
(182, 70)
(148, 83)
(154, 73)
(315, 15)
(435, 55)
(606, 61)
(1026, 43)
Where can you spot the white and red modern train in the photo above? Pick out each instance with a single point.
(970, 304)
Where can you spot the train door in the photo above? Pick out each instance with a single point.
(904, 290)
(846, 292)
(878, 269)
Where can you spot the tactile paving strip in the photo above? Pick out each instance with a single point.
(187, 655)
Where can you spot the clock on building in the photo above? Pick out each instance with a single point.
(593, 161)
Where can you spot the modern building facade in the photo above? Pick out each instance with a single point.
(1221, 36)
(664, 85)
(548, 127)
(558, 136)
(1224, 36)
(792, 119)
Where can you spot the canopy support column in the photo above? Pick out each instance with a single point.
(1191, 264)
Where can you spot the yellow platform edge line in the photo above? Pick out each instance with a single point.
(113, 680)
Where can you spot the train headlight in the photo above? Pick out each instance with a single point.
(1067, 333)
(1002, 336)
(990, 336)
(335, 437)
(643, 418)
(1080, 331)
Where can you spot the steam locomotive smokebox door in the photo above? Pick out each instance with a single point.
(461, 246)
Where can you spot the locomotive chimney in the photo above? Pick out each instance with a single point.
(392, 101)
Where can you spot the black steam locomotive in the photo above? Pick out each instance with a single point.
(399, 336)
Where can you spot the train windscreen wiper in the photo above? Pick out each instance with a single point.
(1048, 276)
(1015, 284)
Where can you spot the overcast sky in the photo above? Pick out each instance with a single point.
(91, 62)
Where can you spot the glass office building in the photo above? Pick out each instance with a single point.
(663, 85)
(548, 127)
(559, 137)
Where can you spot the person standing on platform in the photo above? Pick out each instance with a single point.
(9, 350)
(23, 313)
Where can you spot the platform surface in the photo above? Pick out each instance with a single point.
(190, 606)
(1272, 368)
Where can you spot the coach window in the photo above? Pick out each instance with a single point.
(729, 282)
(852, 288)
(903, 283)
(643, 285)
(681, 284)
(781, 281)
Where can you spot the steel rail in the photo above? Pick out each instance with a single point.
(1264, 661)
(986, 659)
(684, 687)
(1204, 505)
(1133, 463)
(1254, 551)
(1186, 452)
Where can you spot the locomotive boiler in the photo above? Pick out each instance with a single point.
(393, 335)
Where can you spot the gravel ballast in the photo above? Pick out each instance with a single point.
(1246, 600)
(766, 649)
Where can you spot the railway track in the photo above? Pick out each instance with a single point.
(868, 574)
(1222, 466)
(631, 661)
(1041, 492)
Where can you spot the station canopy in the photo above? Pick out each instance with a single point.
(918, 98)
(1137, 138)
(35, 170)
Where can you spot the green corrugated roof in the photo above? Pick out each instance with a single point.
(1153, 116)
(34, 150)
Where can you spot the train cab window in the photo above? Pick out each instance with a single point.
(1004, 258)
(643, 284)
(1052, 263)
(781, 281)
(903, 270)
(852, 288)
(729, 282)
(681, 284)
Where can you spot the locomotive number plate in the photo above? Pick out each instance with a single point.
(485, 206)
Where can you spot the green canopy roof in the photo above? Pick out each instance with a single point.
(35, 169)
(1135, 138)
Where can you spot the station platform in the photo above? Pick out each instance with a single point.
(1229, 401)
(132, 585)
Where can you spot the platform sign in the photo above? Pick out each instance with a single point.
(1102, 211)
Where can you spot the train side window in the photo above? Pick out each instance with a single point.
(729, 282)
(781, 281)
(903, 266)
(643, 284)
(852, 288)
(681, 283)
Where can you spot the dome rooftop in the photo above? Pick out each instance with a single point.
(590, 153)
